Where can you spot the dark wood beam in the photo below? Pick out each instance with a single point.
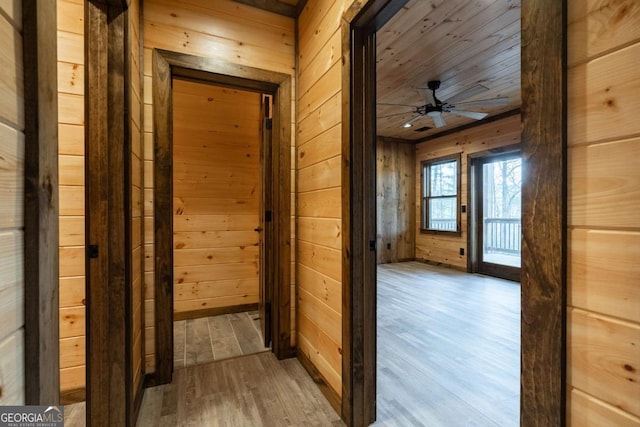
(543, 274)
(96, 135)
(393, 140)
(163, 217)
(275, 6)
(42, 367)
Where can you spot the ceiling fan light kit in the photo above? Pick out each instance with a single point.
(434, 108)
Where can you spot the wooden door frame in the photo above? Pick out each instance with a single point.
(110, 395)
(41, 318)
(166, 65)
(543, 343)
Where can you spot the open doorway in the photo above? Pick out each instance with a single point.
(543, 260)
(260, 231)
(445, 335)
(218, 230)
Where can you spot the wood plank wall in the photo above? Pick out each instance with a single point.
(319, 187)
(71, 185)
(603, 360)
(224, 30)
(11, 206)
(216, 196)
(395, 181)
(446, 249)
(137, 231)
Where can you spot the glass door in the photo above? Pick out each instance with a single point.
(498, 226)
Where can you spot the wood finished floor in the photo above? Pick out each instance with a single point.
(448, 355)
(249, 391)
(204, 340)
(448, 348)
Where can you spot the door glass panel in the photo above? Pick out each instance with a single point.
(501, 212)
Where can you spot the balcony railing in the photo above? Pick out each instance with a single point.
(502, 235)
(443, 224)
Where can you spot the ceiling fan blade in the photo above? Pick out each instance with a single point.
(469, 114)
(396, 105)
(493, 102)
(439, 120)
(467, 93)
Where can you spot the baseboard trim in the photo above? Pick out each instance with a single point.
(442, 264)
(150, 380)
(214, 311)
(323, 385)
(137, 401)
(76, 395)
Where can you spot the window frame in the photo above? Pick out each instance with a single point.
(425, 166)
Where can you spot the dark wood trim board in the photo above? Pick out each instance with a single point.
(214, 311)
(76, 395)
(544, 213)
(109, 389)
(544, 210)
(41, 319)
(167, 65)
(323, 385)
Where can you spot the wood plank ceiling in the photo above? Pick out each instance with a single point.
(471, 46)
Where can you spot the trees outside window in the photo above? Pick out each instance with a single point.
(441, 195)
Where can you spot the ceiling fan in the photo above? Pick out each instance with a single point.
(435, 108)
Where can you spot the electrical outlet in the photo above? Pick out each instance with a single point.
(461, 251)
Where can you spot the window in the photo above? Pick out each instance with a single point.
(440, 195)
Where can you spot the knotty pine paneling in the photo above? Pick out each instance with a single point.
(319, 187)
(603, 326)
(597, 26)
(11, 177)
(11, 206)
(446, 249)
(396, 169)
(70, 21)
(222, 248)
(11, 88)
(602, 97)
(225, 30)
(603, 270)
(585, 410)
(602, 355)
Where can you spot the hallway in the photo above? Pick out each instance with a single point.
(256, 390)
(246, 391)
